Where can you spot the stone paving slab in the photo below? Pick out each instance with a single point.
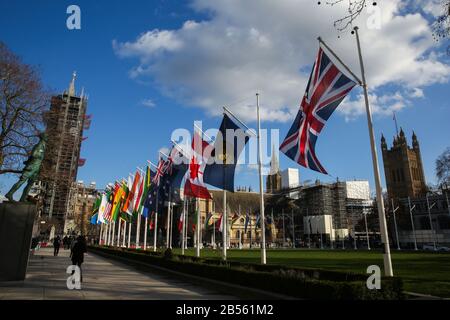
(102, 279)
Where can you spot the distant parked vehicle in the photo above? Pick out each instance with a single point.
(440, 249)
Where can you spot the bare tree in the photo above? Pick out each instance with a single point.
(354, 9)
(441, 27)
(22, 104)
(443, 167)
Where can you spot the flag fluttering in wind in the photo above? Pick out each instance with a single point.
(208, 220)
(258, 220)
(180, 223)
(219, 223)
(94, 219)
(327, 87)
(143, 207)
(194, 185)
(117, 198)
(231, 140)
(247, 220)
(235, 218)
(105, 208)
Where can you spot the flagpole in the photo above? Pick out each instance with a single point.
(240, 231)
(293, 229)
(171, 225)
(155, 231)
(224, 225)
(261, 190)
(367, 231)
(107, 233)
(100, 236)
(214, 226)
(186, 223)
(118, 234)
(138, 228)
(113, 233)
(183, 225)
(145, 233)
(198, 227)
(383, 227)
(129, 235)
(124, 234)
(168, 221)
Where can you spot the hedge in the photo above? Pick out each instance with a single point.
(290, 281)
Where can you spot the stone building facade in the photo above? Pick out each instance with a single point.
(403, 168)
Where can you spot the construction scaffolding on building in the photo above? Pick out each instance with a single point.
(65, 122)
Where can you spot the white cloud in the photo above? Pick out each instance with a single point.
(148, 103)
(249, 46)
(382, 105)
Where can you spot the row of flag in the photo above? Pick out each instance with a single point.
(147, 192)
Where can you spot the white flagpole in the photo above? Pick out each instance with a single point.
(124, 233)
(171, 225)
(111, 229)
(214, 226)
(293, 229)
(145, 232)
(168, 222)
(224, 225)
(129, 235)
(197, 207)
(113, 233)
(261, 190)
(101, 234)
(155, 230)
(367, 231)
(183, 226)
(186, 223)
(138, 229)
(107, 233)
(240, 231)
(383, 227)
(395, 224)
(118, 234)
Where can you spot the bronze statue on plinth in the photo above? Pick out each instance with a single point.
(31, 170)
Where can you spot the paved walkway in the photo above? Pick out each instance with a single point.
(102, 279)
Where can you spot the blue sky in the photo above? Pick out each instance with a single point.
(190, 58)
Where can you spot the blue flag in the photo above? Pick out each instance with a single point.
(230, 141)
(94, 219)
(247, 220)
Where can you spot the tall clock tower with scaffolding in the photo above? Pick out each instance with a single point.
(65, 123)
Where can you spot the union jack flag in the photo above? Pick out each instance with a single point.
(160, 169)
(327, 87)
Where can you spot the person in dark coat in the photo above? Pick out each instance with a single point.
(66, 242)
(77, 252)
(56, 245)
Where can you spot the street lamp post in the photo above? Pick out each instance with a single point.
(431, 221)
(395, 224)
(412, 222)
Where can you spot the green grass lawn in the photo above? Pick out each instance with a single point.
(427, 273)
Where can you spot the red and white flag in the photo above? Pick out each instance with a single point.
(194, 185)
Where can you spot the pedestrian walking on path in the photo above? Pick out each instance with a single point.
(77, 253)
(56, 245)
